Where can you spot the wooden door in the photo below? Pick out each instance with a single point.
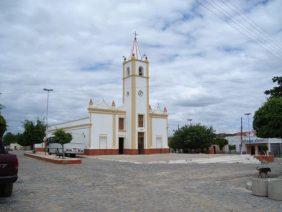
(140, 142)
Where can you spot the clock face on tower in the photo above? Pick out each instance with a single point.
(140, 93)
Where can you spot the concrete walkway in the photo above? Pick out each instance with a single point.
(179, 158)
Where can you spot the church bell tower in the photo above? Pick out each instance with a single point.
(136, 99)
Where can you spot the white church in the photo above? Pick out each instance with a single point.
(132, 128)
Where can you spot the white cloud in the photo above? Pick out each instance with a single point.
(201, 66)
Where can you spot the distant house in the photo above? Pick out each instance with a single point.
(251, 144)
(15, 146)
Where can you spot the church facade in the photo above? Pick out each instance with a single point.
(132, 128)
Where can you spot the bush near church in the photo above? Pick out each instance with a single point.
(192, 138)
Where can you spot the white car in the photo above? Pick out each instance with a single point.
(70, 149)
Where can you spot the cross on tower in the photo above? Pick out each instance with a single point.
(135, 35)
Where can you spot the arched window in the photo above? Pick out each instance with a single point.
(128, 71)
(140, 71)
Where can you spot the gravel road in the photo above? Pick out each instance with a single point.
(100, 185)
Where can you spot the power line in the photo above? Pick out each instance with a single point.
(251, 22)
(260, 41)
(241, 27)
(241, 23)
(269, 52)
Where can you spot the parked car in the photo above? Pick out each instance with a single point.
(71, 149)
(8, 172)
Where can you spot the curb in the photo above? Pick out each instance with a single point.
(55, 161)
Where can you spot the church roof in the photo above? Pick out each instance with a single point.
(102, 104)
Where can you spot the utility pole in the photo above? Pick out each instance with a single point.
(48, 90)
(241, 135)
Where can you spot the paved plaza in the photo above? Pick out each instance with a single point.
(109, 185)
(173, 158)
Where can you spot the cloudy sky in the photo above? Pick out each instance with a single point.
(211, 60)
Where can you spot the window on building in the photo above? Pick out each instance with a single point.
(140, 71)
(140, 120)
(128, 71)
(121, 123)
(103, 141)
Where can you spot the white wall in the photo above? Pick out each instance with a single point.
(80, 136)
(79, 129)
(159, 129)
(141, 106)
(102, 124)
(73, 123)
(127, 107)
(236, 140)
(141, 101)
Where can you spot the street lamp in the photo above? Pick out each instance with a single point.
(48, 90)
(249, 128)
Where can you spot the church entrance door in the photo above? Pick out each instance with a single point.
(140, 142)
(120, 145)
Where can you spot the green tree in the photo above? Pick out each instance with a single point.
(20, 140)
(61, 137)
(3, 128)
(192, 137)
(275, 92)
(33, 133)
(9, 138)
(268, 119)
(264, 148)
(231, 147)
(221, 142)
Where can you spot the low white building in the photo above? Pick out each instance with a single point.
(132, 128)
(253, 144)
(235, 140)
